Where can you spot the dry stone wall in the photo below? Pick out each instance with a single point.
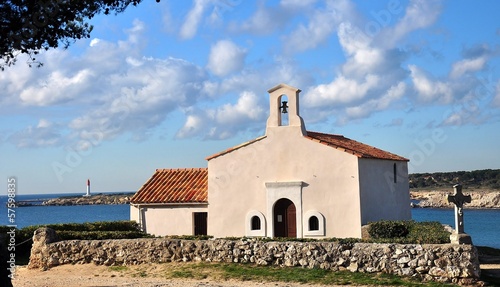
(444, 262)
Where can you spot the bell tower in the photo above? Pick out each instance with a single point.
(284, 99)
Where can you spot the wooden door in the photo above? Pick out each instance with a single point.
(291, 221)
(285, 220)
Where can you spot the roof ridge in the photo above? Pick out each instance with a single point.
(228, 150)
(181, 169)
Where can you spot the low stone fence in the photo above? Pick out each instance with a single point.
(443, 262)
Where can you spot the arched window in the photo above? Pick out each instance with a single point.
(255, 223)
(313, 223)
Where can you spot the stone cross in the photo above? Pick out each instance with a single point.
(458, 198)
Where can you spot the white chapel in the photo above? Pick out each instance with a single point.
(289, 182)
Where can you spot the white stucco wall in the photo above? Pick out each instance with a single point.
(381, 197)
(161, 220)
(237, 183)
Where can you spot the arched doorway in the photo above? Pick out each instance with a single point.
(285, 220)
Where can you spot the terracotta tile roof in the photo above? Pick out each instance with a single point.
(351, 146)
(180, 185)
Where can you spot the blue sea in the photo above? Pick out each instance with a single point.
(482, 224)
(36, 215)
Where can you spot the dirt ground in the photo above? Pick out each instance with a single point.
(88, 275)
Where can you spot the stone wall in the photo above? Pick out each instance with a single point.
(445, 262)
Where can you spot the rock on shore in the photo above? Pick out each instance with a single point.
(122, 198)
(438, 198)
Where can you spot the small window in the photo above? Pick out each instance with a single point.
(313, 223)
(395, 173)
(255, 223)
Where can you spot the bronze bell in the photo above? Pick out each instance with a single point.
(284, 107)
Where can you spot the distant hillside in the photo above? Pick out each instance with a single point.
(486, 178)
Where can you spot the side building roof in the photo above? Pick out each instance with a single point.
(180, 185)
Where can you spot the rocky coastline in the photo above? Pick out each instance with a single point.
(118, 198)
(481, 199)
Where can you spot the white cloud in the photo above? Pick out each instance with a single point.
(419, 14)
(94, 42)
(190, 26)
(342, 90)
(467, 65)
(143, 98)
(394, 93)
(320, 26)
(57, 88)
(372, 77)
(194, 125)
(43, 123)
(466, 111)
(112, 91)
(366, 82)
(109, 90)
(225, 121)
(352, 39)
(44, 134)
(247, 108)
(280, 70)
(135, 33)
(430, 90)
(226, 57)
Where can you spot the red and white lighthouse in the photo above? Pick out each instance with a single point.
(88, 188)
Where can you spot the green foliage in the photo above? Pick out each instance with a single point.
(124, 225)
(30, 26)
(486, 178)
(431, 232)
(190, 237)
(389, 229)
(408, 232)
(99, 235)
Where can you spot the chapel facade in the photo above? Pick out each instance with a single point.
(289, 182)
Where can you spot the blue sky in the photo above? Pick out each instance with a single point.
(165, 85)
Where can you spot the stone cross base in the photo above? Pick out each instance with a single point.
(460, 238)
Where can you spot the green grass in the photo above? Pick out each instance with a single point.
(248, 272)
(118, 268)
